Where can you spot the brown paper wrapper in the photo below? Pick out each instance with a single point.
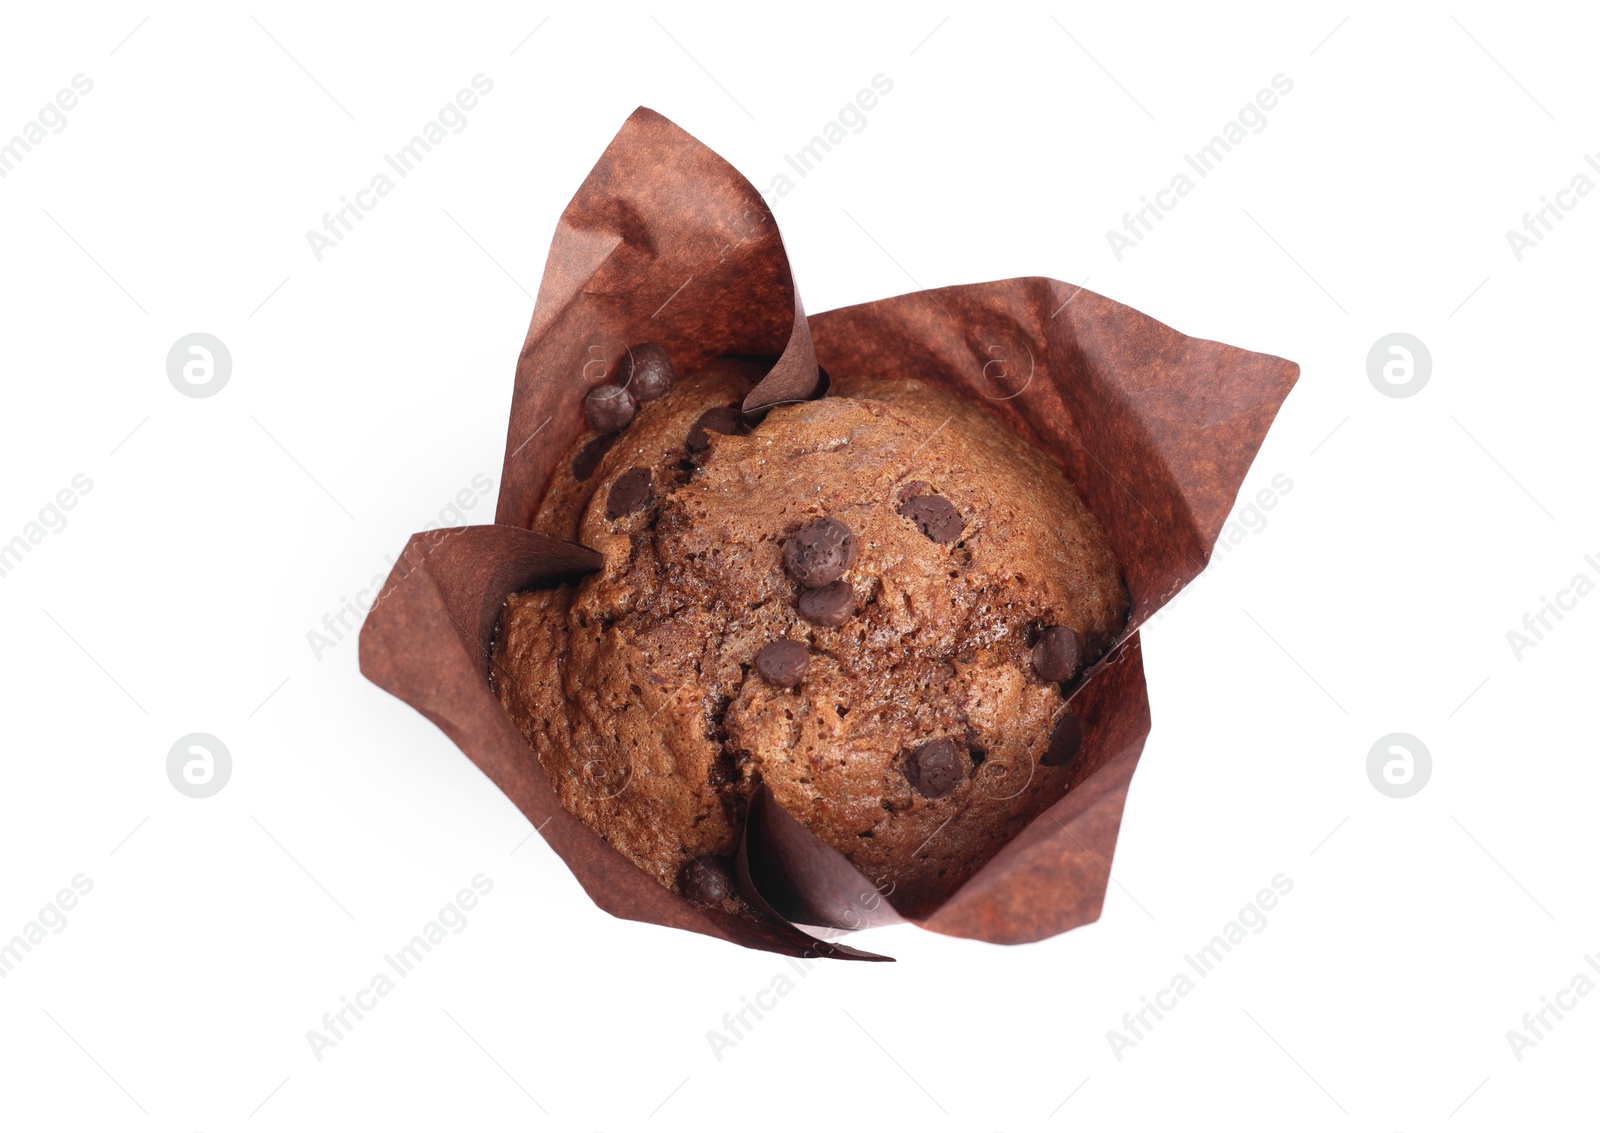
(665, 242)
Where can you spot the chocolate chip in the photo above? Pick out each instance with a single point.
(783, 662)
(630, 492)
(609, 408)
(645, 371)
(829, 605)
(819, 552)
(724, 419)
(936, 768)
(707, 881)
(935, 517)
(590, 456)
(1058, 653)
(1065, 739)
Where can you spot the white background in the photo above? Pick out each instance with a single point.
(369, 388)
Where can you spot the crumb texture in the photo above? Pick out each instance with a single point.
(638, 688)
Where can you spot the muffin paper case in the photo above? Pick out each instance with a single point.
(665, 242)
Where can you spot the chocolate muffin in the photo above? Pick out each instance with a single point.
(873, 603)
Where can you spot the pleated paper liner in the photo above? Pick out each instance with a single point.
(665, 242)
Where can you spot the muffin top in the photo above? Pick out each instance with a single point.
(871, 603)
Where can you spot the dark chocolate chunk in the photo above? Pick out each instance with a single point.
(819, 552)
(1065, 739)
(724, 419)
(935, 517)
(829, 605)
(1057, 653)
(707, 881)
(590, 456)
(609, 408)
(936, 768)
(783, 662)
(645, 371)
(630, 492)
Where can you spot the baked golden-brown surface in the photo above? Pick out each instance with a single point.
(913, 740)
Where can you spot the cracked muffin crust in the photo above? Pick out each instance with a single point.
(869, 602)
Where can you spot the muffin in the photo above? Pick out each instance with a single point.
(874, 603)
